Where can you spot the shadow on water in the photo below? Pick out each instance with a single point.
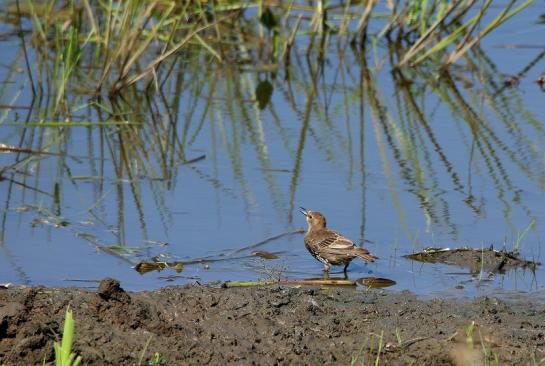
(117, 111)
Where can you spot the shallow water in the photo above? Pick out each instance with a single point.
(443, 165)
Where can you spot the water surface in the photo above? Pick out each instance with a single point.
(402, 161)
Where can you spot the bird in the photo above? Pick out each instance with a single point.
(329, 246)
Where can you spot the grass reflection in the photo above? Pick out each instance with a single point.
(132, 120)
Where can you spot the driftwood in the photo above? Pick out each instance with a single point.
(309, 282)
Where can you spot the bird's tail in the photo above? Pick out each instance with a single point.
(364, 254)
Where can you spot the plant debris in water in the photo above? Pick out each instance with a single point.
(372, 282)
(148, 266)
(375, 282)
(264, 254)
(116, 52)
(476, 260)
(295, 282)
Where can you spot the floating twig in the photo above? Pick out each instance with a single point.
(267, 240)
(264, 254)
(309, 282)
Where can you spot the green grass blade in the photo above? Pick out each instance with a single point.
(499, 20)
(445, 42)
(67, 337)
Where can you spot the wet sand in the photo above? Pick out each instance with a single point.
(268, 326)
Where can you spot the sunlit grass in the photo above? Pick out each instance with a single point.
(63, 351)
(369, 354)
(128, 42)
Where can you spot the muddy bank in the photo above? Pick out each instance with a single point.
(268, 325)
(475, 260)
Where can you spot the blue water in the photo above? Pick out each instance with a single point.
(400, 183)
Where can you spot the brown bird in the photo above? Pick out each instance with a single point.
(328, 246)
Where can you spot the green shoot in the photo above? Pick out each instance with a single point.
(63, 351)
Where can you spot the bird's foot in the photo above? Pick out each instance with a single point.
(326, 268)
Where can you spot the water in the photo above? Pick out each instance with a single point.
(444, 165)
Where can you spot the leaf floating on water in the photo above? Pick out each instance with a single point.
(147, 266)
(54, 222)
(264, 254)
(375, 282)
(178, 267)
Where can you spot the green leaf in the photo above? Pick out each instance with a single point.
(63, 350)
(67, 337)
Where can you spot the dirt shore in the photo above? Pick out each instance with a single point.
(268, 326)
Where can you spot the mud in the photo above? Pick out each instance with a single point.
(268, 326)
(475, 260)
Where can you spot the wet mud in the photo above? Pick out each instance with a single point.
(268, 326)
(475, 260)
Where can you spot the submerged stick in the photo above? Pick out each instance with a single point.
(211, 259)
(309, 282)
(267, 240)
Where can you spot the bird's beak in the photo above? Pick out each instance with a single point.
(304, 211)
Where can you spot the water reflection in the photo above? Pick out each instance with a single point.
(449, 146)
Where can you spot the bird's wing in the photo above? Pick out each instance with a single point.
(336, 241)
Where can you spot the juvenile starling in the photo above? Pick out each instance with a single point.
(328, 246)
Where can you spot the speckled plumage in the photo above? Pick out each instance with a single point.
(329, 246)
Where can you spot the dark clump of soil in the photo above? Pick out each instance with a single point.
(487, 259)
(267, 325)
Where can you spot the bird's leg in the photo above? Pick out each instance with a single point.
(326, 268)
(345, 270)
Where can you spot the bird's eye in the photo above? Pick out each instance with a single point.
(310, 216)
